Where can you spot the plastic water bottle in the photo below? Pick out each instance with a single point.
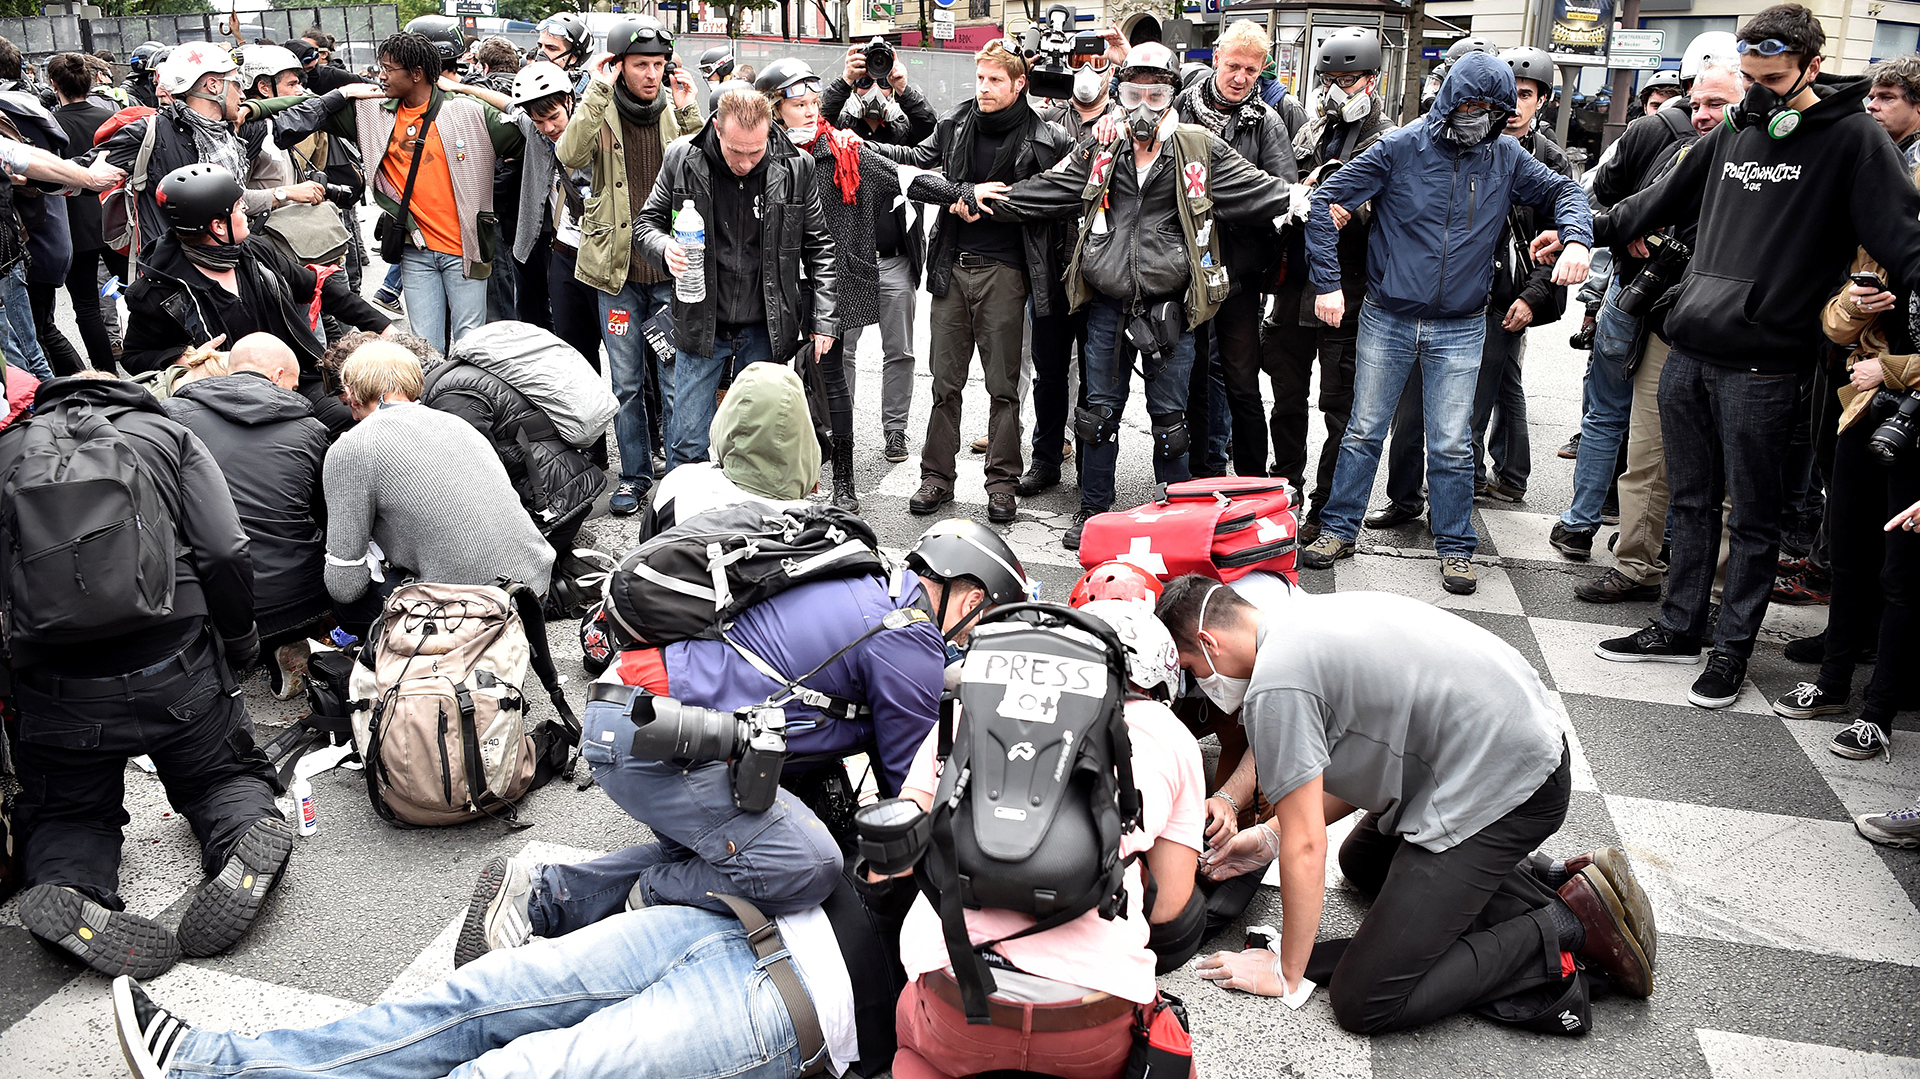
(306, 821)
(690, 232)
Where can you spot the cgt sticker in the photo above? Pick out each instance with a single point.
(618, 320)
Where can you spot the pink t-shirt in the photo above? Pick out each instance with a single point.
(1106, 955)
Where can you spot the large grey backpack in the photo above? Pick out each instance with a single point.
(89, 544)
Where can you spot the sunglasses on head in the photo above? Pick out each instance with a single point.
(804, 86)
(1769, 47)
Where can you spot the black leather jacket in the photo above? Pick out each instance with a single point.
(1260, 136)
(1045, 144)
(797, 270)
(556, 480)
(1515, 276)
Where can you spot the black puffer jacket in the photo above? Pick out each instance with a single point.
(556, 480)
(942, 152)
(797, 279)
(269, 447)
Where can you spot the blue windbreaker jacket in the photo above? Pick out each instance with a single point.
(1437, 209)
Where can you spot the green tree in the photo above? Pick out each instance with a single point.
(116, 8)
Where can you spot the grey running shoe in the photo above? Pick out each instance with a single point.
(497, 917)
(1896, 828)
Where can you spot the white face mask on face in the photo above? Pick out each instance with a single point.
(801, 135)
(1227, 693)
(1088, 84)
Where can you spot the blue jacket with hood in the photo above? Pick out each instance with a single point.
(1438, 209)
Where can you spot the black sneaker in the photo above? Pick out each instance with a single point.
(1863, 741)
(1071, 541)
(1575, 543)
(112, 942)
(1614, 587)
(1808, 700)
(896, 450)
(1718, 685)
(227, 905)
(1807, 649)
(1655, 644)
(1037, 479)
(1392, 515)
(149, 1034)
(1571, 449)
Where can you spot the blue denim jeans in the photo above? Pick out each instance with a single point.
(1447, 352)
(621, 316)
(1607, 399)
(696, 379)
(666, 991)
(784, 860)
(394, 280)
(21, 340)
(1109, 378)
(443, 304)
(1725, 431)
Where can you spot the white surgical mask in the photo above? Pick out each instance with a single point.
(1227, 693)
(1087, 85)
(801, 135)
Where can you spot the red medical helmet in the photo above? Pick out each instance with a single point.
(1115, 580)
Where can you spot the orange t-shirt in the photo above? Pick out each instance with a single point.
(432, 206)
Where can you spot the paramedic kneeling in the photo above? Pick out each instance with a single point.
(1451, 744)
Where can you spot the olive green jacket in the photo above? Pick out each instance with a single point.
(593, 138)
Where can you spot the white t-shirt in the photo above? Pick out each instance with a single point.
(698, 486)
(1096, 953)
(809, 936)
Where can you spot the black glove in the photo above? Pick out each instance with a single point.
(242, 651)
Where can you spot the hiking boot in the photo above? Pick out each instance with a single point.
(1037, 479)
(1719, 684)
(1614, 587)
(1570, 450)
(1392, 515)
(844, 495)
(931, 496)
(1500, 490)
(227, 905)
(1863, 741)
(1309, 530)
(149, 1034)
(112, 942)
(1575, 543)
(980, 444)
(896, 450)
(1808, 700)
(497, 915)
(1456, 576)
(626, 499)
(1611, 946)
(287, 674)
(1898, 828)
(1613, 864)
(1071, 540)
(1806, 590)
(1000, 508)
(1323, 552)
(1654, 644)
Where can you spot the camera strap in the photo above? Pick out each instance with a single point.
(774, 958)
(830, 705)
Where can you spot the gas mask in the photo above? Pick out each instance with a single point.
(1149, 109)
(1470, 129)
(1764, 108)
(1087, 85)
(875, 104)
(1346, 106)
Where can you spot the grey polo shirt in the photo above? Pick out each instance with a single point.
(1404, 710)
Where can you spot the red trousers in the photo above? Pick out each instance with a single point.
(937, 1043)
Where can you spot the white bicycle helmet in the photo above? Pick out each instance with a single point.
(1152, 662)
(539, 79)
(1712, 45)
(188, 64)
(267, 60)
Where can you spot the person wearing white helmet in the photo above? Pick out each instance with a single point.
(268, 72)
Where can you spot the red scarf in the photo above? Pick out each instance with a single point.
(846, 157)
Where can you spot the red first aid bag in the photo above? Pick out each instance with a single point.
(1224, 527)
(1162, 1047)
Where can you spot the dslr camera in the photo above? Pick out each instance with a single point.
(1047, 47)
(753, 740)
(1894, 435)
(342, 195)
(1667, 260)
(879, 57)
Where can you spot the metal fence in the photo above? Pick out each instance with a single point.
(357, 27)
(945, 77)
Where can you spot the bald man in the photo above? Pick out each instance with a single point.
(268, 444)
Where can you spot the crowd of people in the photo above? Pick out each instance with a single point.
(583, 239)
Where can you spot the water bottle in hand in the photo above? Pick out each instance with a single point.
(690, 232)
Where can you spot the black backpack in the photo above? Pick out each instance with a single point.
(692, 580)
(89, 543)
(1037, 787)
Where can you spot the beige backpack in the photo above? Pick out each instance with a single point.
(439, 717)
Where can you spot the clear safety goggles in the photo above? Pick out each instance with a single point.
(1153, 95)
(1345, 80)
(804, 86)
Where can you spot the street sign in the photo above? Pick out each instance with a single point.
(1633, 62)
(943, 17)
(1579, 32)
(943, 3)
(1650, 41)
(1431, 54)
(1177, 34)
(943, 31)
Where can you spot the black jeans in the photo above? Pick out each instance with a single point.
(1725, 432)
(1876, 574)
(60, 353)
(833, 372)
(83, 289)
(1059, 340)
(1446, 931)
(1288, 350)
(75, 736)
(1236, 328)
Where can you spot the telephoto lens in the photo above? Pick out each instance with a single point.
(683, 732)
(892, 834)
(342, 195)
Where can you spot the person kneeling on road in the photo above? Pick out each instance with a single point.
(1455, 750)
(877, 658)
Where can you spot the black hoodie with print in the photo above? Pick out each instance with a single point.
(1779, 220)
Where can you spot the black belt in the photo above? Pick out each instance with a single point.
(561, 247)
(893, 254)
(969, 260)
(611, 693)
(107, 687)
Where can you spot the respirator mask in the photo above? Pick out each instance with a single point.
(1761, 107)
(1347, 103)
(1147, 106)
(1087, 84)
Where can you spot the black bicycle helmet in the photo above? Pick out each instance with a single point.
(194, 196)
(781, 74)
(957, 548)
(1350, 48)
(717, 63)
(641, 35)
(449, 40)
(1471, 43)
(145, 57)
(570, 28)
(1528, 62)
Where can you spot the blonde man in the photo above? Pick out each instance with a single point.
(414, 492)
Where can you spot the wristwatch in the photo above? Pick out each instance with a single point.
(279, 196)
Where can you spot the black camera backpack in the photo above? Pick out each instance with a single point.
(1037, 787)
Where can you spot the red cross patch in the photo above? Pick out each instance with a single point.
(1100, 165)
(1196, 176)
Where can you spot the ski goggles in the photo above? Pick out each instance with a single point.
(804, 86)
(1095, 60)
(1154, 95)
(1769, 47)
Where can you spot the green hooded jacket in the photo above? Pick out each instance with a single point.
(762, 435)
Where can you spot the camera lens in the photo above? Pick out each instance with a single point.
(696, 734)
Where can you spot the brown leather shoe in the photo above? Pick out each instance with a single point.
(1610, 946)
(931, 496)
(1613, 864)
(980, 444)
